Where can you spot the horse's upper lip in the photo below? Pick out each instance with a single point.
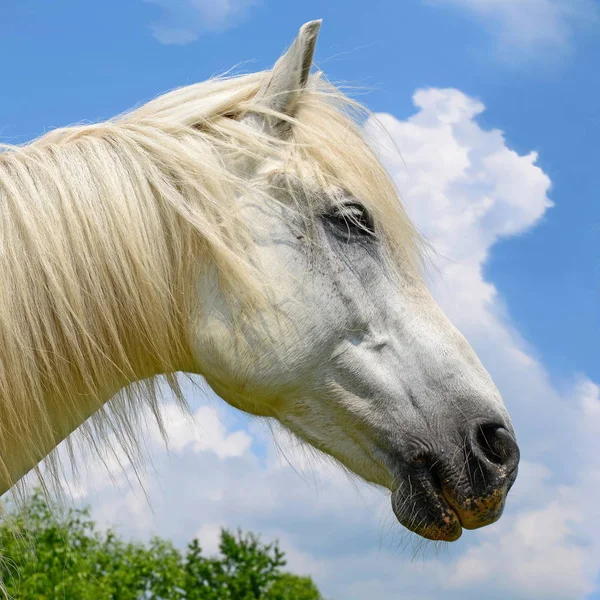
(444, 497)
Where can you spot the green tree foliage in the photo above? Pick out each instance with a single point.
(50, 553)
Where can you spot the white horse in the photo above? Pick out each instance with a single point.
(243, 230)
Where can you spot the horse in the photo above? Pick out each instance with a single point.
(244, 230)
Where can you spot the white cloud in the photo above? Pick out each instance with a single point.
(530, 28)
(184, 21)
(209, 536)
(463, 186)
(203, 432)
(465, 189)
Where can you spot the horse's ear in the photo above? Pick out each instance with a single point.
(288, 78)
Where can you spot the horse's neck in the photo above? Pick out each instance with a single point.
(80, 315)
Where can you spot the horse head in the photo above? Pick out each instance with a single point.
(347, 348)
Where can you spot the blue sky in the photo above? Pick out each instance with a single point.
(530, 66)
(72, 61)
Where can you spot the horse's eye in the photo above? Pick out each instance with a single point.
(351, 220)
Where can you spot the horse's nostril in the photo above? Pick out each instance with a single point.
(496, 445)
(490, 446)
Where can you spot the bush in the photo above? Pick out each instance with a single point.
(49, 553)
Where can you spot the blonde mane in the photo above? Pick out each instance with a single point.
(102, 228)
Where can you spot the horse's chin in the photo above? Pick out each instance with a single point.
(426, 511)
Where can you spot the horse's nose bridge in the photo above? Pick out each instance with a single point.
(451, 386)
(445, 358)
(434, 336)
(445, 381)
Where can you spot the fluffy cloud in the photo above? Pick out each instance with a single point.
(184, 20)
(530, 28)
(465, 189)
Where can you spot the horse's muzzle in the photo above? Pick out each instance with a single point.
(458, 487)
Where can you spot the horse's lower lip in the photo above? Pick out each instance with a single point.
(427, 511)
